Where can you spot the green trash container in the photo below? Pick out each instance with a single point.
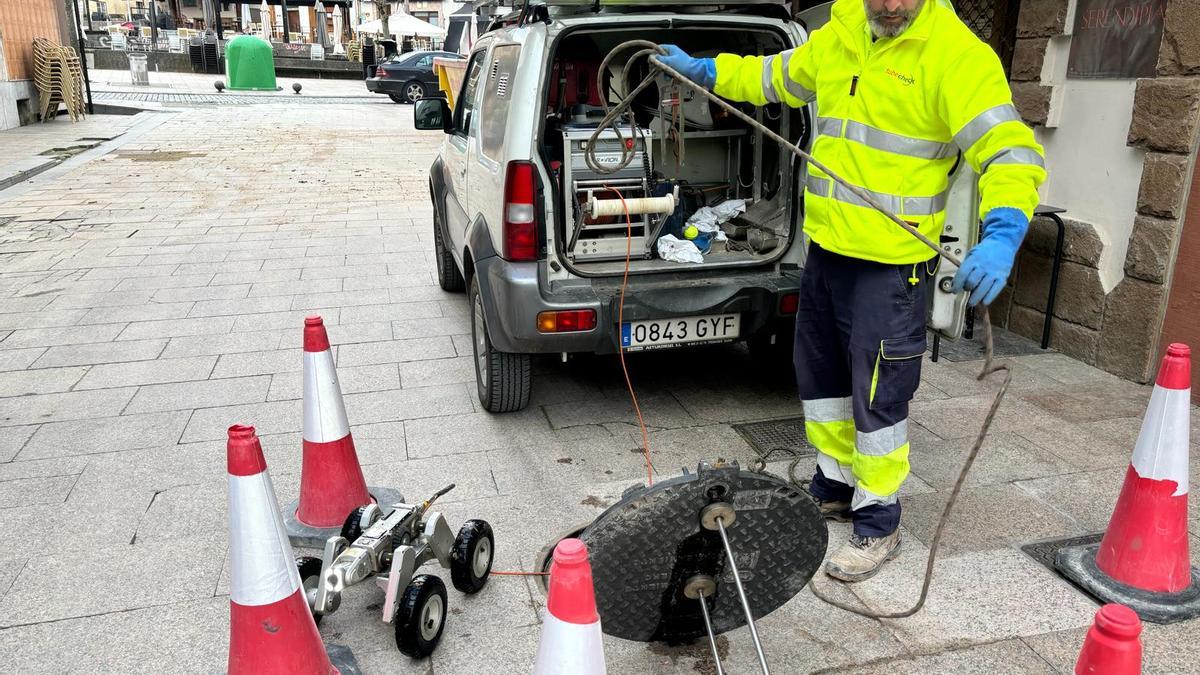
(250, 63)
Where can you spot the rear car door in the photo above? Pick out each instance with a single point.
(458, 149)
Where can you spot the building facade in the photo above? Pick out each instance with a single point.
(1121, 156)
(20, 22)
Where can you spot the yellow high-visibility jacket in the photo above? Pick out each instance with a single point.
(894, 114)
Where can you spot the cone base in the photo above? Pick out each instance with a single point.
(302, 535)
(1078, 564)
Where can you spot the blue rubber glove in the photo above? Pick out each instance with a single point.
(987, 266)
(701, 71)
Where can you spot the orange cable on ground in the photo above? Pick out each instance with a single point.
(621, 346)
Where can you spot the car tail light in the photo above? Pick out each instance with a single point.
(381, 73)
(566, 321)
(520, 213)
(789, 303)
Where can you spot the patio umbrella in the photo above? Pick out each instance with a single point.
(337, 31)
(322, 31)
(265, 16)
(210, 16)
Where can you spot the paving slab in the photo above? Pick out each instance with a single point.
(200, 394)
(39, 490)
(407, 404)
(158, 371)
(74, 405)
(473, 432)
(395, 351)
(149, 312)
(19, 359)
(985, 518)
(1004, 457)
(661, 412)
(1087, 497)
(977, 597)
(40, 381)
(171, 328)
(190, 636)
(70, 335)
(269, 418)
(109, 434)
(12, 439)
(41, 319)
(54, 590)
(102, 352)
(221, 345)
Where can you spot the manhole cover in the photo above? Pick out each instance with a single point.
(1045, 551)
(777, 439)
(646, 547)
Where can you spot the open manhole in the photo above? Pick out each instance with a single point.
(778, 439)
(545, 556)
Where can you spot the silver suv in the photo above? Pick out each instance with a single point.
(524, 191)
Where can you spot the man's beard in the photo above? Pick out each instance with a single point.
(882, 29)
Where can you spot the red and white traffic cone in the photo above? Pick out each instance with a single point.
(270, 627)
(331, 480)
(571, 641)
(1112, 645)
(1143, 560)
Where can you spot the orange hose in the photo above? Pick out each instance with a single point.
(621, 348)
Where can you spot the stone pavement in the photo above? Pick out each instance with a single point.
(155, 294)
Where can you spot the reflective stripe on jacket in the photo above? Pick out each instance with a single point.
(894, 114)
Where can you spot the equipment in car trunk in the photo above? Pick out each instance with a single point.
(597, 228)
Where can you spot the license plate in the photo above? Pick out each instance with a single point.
(660, 333)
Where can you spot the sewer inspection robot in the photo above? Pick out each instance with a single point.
(390, 544)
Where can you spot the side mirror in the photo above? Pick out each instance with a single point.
(433, 114)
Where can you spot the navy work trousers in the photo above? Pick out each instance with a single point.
(860, 336)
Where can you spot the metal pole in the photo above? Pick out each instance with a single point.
(153, 25)
(220, 6)
(712, 639)
(737, 581)
(286, 32)
(87, 84)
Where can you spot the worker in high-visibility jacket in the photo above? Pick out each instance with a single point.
(905, 93)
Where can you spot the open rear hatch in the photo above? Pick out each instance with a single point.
(737, 187)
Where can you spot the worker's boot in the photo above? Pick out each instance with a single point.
(861, 557)
(833, 509)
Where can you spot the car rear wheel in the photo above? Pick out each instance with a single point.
(449, 277)
(504, 380)
(414, 91)
(397, 98)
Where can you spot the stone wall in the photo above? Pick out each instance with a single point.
(1118, 331)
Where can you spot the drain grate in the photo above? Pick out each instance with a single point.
(1007, 344)
(1044, 552)
(777, 439)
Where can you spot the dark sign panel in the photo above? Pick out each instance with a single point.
(1116, 38)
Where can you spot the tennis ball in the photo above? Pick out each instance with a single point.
(690, 232)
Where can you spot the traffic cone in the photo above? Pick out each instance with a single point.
(571, 642)
(1143, 560)
(331, 480)
(270, 627)
(1112, 646)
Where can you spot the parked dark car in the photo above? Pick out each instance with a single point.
(408, 77)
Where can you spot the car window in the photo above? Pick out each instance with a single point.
(466, 100)
(425, 62)
(497, 98)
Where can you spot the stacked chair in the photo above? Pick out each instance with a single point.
(59, 79)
